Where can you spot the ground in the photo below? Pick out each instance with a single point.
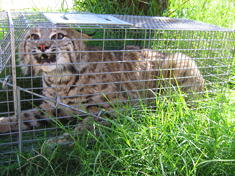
(39, 4)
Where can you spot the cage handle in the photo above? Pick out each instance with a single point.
(6, 79)
(57, 101)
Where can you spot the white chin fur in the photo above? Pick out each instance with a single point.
(48, 68)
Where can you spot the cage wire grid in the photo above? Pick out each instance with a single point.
(211, 47)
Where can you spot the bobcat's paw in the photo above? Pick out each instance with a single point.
(5, 125)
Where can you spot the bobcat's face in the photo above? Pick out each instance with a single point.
(50, 50)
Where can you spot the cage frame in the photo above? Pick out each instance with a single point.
(17, 89)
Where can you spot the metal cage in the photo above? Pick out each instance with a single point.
(211, 47)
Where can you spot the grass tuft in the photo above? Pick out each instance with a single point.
(171, 139)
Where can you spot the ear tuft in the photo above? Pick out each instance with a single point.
(86, 36)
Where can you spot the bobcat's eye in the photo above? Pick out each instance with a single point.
(34, 37)
(57, 36)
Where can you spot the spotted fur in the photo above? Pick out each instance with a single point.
(72, 70)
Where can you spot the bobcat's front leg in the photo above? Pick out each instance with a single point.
(30, 119)
(86, 124)
(8, 124)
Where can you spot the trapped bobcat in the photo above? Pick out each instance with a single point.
(72, 70)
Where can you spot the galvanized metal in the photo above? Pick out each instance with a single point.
(18, 115)
(13, 62)
(83, 18)
(211, 47)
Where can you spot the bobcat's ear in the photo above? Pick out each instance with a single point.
(86, 36)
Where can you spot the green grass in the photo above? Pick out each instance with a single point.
(172, 139)
(130, 7)
(217, 12)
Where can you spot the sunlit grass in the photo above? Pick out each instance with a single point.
(217, 12)
(171, 139)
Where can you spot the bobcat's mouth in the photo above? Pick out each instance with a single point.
(44, 58)
(47, 62)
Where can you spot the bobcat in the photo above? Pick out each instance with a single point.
(72, 70)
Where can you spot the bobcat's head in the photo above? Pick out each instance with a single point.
(52, 50)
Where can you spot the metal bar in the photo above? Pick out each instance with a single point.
(13, 60)
(13, 72)
(41, 96)
(18, 115)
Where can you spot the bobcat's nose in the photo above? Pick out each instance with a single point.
(43, 47)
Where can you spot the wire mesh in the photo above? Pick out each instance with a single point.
(209, 47)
